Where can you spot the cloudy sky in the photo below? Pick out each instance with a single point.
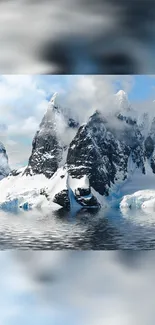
(69, 36)
(84, 288)
(24, 100)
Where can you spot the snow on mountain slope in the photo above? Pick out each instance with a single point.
(122, 101)
(139, 190)
(44, 180)
(39, 192)
(51, 141)
(101, 151)
(4, 167)
(36, 191)
(123, 105)
(116, 155)
(144, 122)
(105, 157)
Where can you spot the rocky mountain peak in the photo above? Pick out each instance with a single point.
(53, 103)
(4, 166)
(51, 140)
(122, 102)
(47, 148)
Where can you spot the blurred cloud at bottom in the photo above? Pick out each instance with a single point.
(58, 288)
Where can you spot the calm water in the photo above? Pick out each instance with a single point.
(96, 230)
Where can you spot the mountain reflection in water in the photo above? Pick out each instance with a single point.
(85, 230)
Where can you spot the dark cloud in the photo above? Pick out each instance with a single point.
(109, 37)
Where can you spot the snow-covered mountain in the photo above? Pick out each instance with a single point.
(46, 181)
(49, 146)
(122, 102)
(96, 152)
(79, 165)
(4, 167)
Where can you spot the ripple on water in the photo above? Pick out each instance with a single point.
(100, 230)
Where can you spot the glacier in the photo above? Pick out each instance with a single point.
(143, 199)
(38, 192)
(24, 189)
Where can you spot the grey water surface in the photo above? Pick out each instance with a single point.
(106, 229)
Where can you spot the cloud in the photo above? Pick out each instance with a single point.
(86, 287)
(23, 48)
(88, 93)
(76, 37)
(28, 128)
(24, 100)
(22, 105)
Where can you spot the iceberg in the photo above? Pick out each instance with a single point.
(144, 200)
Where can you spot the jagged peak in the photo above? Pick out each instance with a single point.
(121, 92)
(97, 117)
(4, 166)
(122, 98)
(123, 105)
(53, 98)
(2, 146)
(53, 102)
(49, 116)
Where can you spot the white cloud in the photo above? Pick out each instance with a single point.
(27, 128)
(89, 287)
(22, 105)
(23, 101)
(91, 92)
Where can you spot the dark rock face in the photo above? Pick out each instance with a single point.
(48, 146)
(82, 192)
(131, 136)
(15, 172)
(43, 192)
(4, 167)
(101, 152)
(149, 147)
(147, 128)
(152, 161)
(72, 123)
(96, 151)
(87, 202)
(85, 198)
(46, 155)
(152, 130)
(62, 198)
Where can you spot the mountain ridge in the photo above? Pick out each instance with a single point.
(106, 151)
(4, 166)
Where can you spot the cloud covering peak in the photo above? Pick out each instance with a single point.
(24, 100)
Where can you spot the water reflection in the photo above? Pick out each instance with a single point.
(87, 229)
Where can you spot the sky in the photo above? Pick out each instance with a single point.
(86, 288)
(69, 36)
(24, 100)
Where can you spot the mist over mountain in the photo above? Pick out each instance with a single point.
(80, 164)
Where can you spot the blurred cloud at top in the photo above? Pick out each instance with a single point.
(77, 288)
(69, 36)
